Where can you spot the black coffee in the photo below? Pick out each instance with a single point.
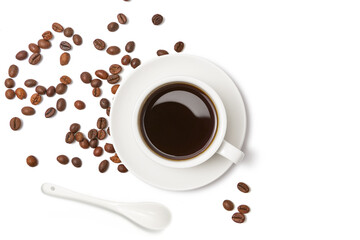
(178, 121)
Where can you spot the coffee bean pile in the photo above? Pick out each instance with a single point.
(239, 216)
(112, 77)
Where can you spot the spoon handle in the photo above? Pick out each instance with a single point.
(61, 192)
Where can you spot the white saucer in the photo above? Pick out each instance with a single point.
(122, 112)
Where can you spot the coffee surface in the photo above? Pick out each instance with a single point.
(178, 121)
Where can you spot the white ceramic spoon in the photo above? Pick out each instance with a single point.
(154, 216)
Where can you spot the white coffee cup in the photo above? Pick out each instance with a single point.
(218, 145)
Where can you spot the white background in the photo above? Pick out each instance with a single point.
(297, 65)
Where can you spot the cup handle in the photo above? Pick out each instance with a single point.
(230, 152)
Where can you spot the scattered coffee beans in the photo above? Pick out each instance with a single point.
(101, 135)
(101, 123)
(125, 60)
(108, 112)
(109, 148)
(113, 50)
(63, 159)
(99, 44)
(92, 134)
(79, 105)
(76, 162)
(243, 209)
(30, 83)
(157, 19)
(122, 168)
(15, 123)
(77, 39)
(34, 48)
(122, 18)
(50, 92)
(64, 59)
(65, 80)
(79, 136)
(114, 88)
(69, 138)
(104, 103)
(35, 99)
(98, 151)
(115, 69)
(47, 35)
(94, 143)
(103, 166)
(102, 74)
(179, 46)
(64, 45)
(44, 44)
(162, 52)
(228, 205)
(113, 26)
(68, 32)
(112, 79)
(22, 55)
(9, 83)
(13, 71)
(50, 112)
(61, 88)
(84, 144)
(86, 77)
(35, 58)
(10, 94)
(130, 46)
(238, 217)
(57, 27)
(32, 161)
(135, 62)
(74, 128)
(115, 159)
(96, 92)
(61, 104)
(40, 90)
(28, 111)
(95, 83)
(243, 187)
(20, 93)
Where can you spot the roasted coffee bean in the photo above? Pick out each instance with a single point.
(28, 111)
(61, 104)
(65, 80)
(99, 44)
(115, 159)
(35, 58)
(69, 138)
(125, 60)
(44, 44)
(243, 209)
(30, 83)
(20, 93)
(64, 45)
(162, 52)
(35, 99)
(104, 103)
(113, 26)
(64, 59)
(32, 161)
(101, 123)
(50, 112)
(57, 27)
(179, 46)
(243, 187)
(77, 39)
(96, 92)
(109, 148)
(114, 88)
(86, 77)
(84, 144)
(40, 90)
(122, 168)
(22, 55)
(112, 79)
(68, 32)
(15, 123)
(79, 136)
(50, 92)
(135, 62)
(76, 162)
(74, 128)
(9, 83)
(101, 135)
(94, 143)
(95, 83)
(79, 105)
(157, 19)
(113, 50)
(103, 166)
(13, 71)
(98, 151)
(10, 94)
(92, 134)
(34, 48)
(63, 159)
(238, 217)
(115, 69)
(228, 205)
(108, 112)
(61, 88)
(130, 46)
(122, 18)
(102, 74)
(47, 35)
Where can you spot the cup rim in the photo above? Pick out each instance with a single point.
(216, 141)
